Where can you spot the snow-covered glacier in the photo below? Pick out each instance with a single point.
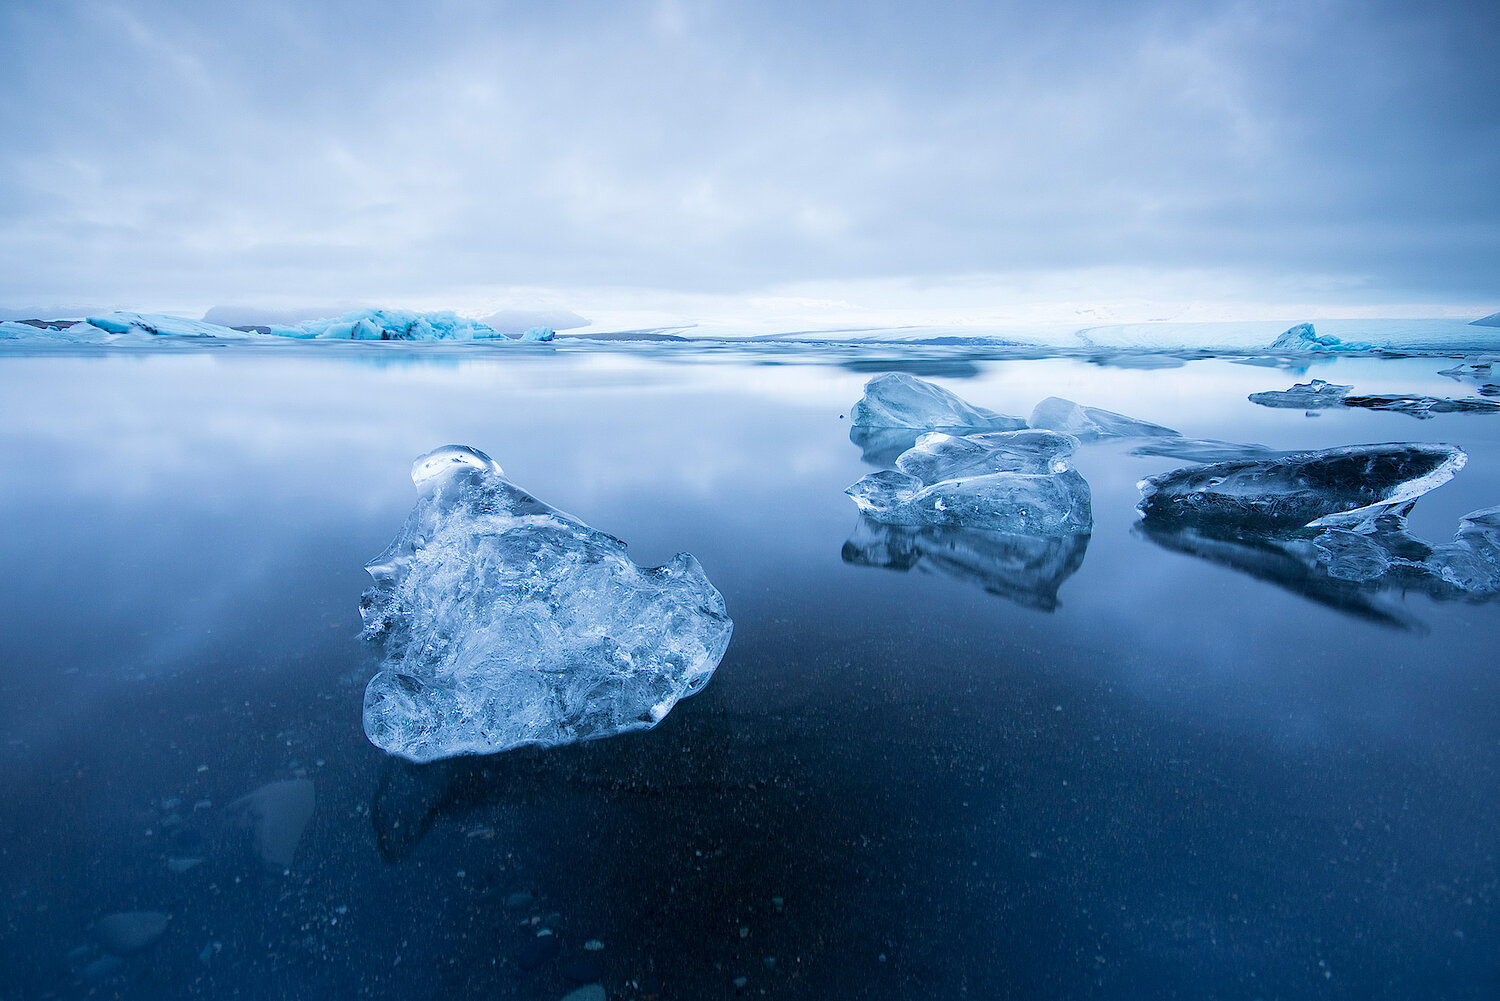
(505, 622)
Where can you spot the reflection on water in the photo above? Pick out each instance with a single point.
(1026, 569)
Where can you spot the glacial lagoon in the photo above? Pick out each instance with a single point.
(1097, 756)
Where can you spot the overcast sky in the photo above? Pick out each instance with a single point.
(987, 157)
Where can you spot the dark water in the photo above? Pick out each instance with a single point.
(1119, 771)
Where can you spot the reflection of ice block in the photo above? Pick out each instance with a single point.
(1292, 564)
(1314, 395)
(1205, 450)
(1091, 423)
(1026, 569)
(506, 622)
(1335, 487)
(898, 400)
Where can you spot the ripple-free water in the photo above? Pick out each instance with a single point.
(1124, 769)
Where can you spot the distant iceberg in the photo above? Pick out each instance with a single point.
(160, 326)
(1493, 320)
(505, 622)
(391, 325)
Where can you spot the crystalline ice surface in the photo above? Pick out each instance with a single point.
(506, 622)
(1469, 566)
(898, 400)
(1314, 395)
(1019, 482)
(1335, 487)
(936, 456)
(1091, 423)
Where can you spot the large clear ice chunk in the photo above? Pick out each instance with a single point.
(1092, 423)
(1019, 482)
(506, 622)
(898, 400)
(1336, 487)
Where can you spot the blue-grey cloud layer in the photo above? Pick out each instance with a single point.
(210, 151)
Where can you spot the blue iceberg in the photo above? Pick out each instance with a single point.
(392, 325)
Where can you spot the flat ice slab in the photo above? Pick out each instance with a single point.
(506, 622)
(1334, 487)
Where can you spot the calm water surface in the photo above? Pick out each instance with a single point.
(1122, 770)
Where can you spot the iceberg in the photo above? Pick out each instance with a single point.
(505, 622)
(1493, 320)
(1091, 423)
(161, 326)
(1025, 569)
(392, 325)
(898, 400)
(1314, 395)
(1034, 492)
(1338, 487)
(1303, 337)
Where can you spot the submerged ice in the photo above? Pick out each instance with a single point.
(506, 622)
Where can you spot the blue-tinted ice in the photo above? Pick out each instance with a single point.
(1019, 482)
(898, 400)
(506, 622)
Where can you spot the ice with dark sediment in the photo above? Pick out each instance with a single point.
(1421, 407)
(1337, 487)
(1314, 395)
(1092, 423)
(1476, 369)
(899, 400)
(505, 622)
(1033, 489)
(1026, 569)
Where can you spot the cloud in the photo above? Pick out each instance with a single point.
(167, 156)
